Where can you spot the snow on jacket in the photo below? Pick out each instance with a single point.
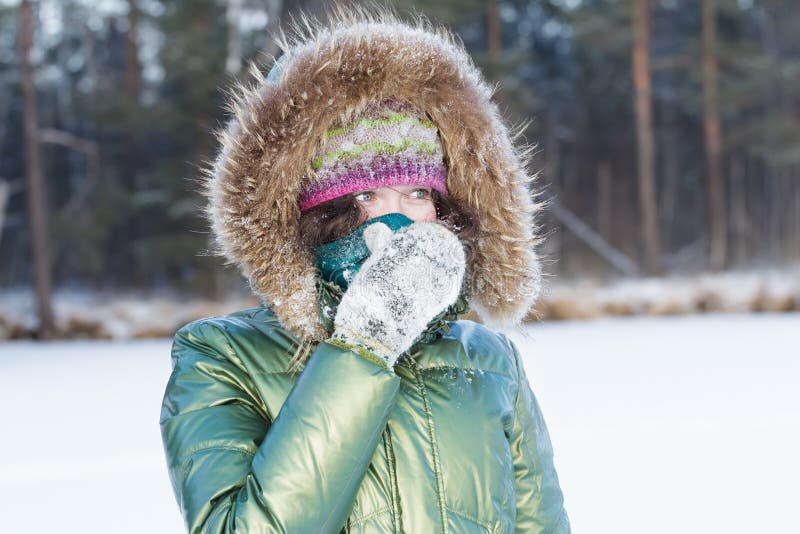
(452, 439)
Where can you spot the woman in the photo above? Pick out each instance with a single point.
(368, 190)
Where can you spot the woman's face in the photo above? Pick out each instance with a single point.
(413, 201)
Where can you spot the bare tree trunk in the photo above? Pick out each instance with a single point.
(774, 105)
(131, 165)
(494, 42)
(133, 68)
(775, 219)
(713, 141)
(794, 213)
(37, 204)
(740, 223)
(670, 140)
(605, 199)
(763, 173)
(644, 135)
(4, 194)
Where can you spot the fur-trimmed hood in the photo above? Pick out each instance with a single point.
(328, 73)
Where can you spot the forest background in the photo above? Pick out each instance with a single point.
(667, 135)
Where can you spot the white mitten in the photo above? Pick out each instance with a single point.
(412, 275)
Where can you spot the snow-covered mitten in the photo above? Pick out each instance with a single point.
(411, 276)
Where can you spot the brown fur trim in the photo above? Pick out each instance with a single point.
(329, 73)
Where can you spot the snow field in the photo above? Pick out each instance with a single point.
(84, 452)
(684, 424)
(687, 424)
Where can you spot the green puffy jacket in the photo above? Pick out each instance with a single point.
(451, 441)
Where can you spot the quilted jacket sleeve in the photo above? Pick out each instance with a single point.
(540, 503)
(232, 470)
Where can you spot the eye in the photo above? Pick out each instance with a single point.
(420, 194)
(365, 196)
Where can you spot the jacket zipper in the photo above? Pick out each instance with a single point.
(395, 491)
(437, 472)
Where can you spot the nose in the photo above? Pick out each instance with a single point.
(394, 203)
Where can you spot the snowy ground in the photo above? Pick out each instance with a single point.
(82, 314)
(687, 424)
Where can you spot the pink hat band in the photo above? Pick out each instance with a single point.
(381, 175)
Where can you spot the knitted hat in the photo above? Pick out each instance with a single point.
(389, 143)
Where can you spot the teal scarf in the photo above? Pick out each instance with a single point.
(338, 261)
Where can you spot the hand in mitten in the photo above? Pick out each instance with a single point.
(411, 276)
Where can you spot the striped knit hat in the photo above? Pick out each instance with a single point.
(390, 143)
